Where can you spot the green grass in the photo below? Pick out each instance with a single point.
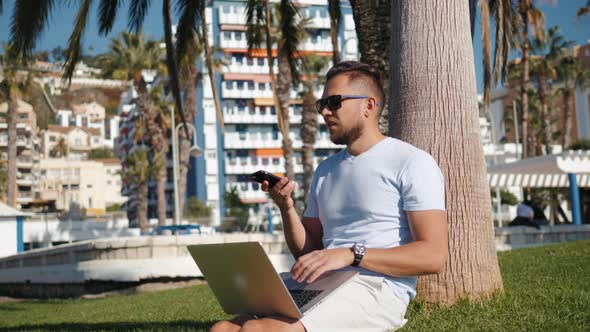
(546, 289)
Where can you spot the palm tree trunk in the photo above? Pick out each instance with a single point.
(209, 60)
(285, 78)
(567, 117)
(161, 190)
(334, 10)
(309, 124)
(12, 120)
(524, 81)
(546, 124)
(446, 126)
(372, 23)
(184, 143)
(142, 206)
(273, 79)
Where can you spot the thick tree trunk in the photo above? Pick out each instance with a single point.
(12, 120)
(284, 88)
(372, 24)
(309, 125)
(545, 118)
(434, 107)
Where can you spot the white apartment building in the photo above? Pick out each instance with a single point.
(90, 185)
(91, 115)
(78, 141)
(27, 152)
(251, 140)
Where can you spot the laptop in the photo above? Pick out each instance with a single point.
(245, 282)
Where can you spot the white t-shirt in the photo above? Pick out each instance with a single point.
(363, 199)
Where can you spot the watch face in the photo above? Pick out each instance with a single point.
(359, 249)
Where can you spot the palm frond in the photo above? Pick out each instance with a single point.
(507, 26)
(28, 21)
(255, 19)
(74, 50)
(1, 7)
(137, 12)
(187, 29)
(107, 12)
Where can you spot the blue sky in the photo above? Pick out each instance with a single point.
(560, 13)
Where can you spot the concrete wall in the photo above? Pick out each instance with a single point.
(8, 241)
(126, 259)
(508, 238)
(64, 231)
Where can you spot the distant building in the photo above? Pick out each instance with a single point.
(90, 115)
(89, 185)
(78, 142)
(28, 147)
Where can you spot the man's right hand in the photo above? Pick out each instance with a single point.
(281, 193)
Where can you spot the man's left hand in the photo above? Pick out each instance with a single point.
(314, 264)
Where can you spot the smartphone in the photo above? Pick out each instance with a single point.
(265, 176)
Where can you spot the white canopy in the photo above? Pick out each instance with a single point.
(548, 171)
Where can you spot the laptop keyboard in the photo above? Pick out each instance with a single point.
(303, 296)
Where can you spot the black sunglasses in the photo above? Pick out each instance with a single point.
(334, 102)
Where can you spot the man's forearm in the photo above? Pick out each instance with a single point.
(295, 234)
(412, 259)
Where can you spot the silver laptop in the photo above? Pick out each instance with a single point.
(244, 281)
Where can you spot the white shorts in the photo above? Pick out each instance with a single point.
(365, 303)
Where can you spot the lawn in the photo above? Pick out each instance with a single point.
(546, 289)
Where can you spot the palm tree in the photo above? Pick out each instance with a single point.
(312, 66)
(290, 33)
(189, 78)
(530, 16)
(547, 49)
(571, 72)
(372, 22)
(158, 124)
(138, 170)
(446, 126)
(128, 56)
(14, 85)
(30, 18)
(3, 180)
(335, 19)
(506, 20)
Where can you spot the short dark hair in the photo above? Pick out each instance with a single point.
(355, 70)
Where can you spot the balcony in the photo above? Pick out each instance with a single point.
(318, 18)
(249, 66)
(233, 39)
(251, 90)
(24, 162)
(231, 14)
(25, 180)
(249, 165)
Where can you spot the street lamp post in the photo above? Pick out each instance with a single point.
(195, 151)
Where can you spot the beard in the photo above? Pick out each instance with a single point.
(349, 136)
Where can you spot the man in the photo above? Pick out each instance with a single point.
(376, 206)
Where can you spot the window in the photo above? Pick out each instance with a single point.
(250, 61)
(211, 155)
(265, 161)
(88, 186)
(244, 186)
(260, 61)
(96, 140)
(227, 35)
(52, 138)
(239, 36)
(250, 85)
(228, 85)
(255, 186)
(262, 110)
(109, 182)
(276, 161)
(78, 142)
(240, 85)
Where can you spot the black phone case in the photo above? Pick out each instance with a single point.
(265, 176)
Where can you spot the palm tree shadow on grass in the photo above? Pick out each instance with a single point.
(183, 325)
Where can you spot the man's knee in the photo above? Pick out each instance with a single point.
(224, 326)
(251, 325)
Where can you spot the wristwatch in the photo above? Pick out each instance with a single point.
(359, 252)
